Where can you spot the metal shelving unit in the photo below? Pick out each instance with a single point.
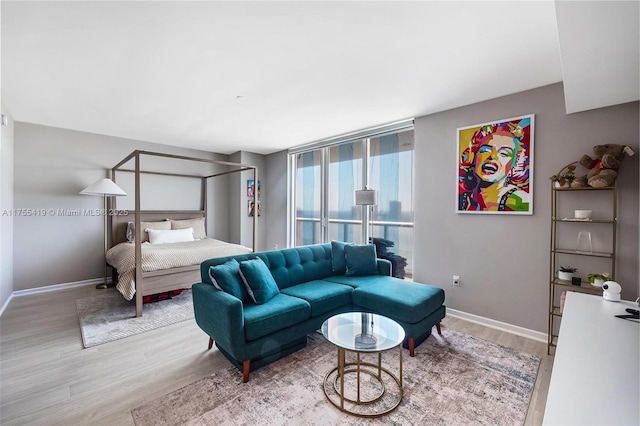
(556, 286)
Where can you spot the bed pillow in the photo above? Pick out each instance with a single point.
(258, 280)
(226, 277)
(199, 230)
(361, 260)
(131, 229)
(162, 236)
(338, 264)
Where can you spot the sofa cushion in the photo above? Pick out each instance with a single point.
(338, 263)
(280, 312)
(323, 296)
(397, 299)
(299, 265)
(357, 281)
(361, 260)
(258, 280)
(226, 277)
(288, 266)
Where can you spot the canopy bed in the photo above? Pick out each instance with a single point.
(153, 260)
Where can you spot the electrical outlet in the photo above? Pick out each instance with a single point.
(456, 280)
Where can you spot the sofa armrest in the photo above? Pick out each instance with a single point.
(221, 316)
(384, 267)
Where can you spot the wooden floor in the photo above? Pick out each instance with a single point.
(46, 377)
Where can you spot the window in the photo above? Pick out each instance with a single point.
(308, 198)
(325, 176)
(345, 176)
(391, 173)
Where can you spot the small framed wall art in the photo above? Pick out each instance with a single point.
(251, 189)
(251, 208)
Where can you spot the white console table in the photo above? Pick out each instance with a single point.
(596, 370)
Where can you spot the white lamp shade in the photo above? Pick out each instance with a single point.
(103, 187)
(366, 197)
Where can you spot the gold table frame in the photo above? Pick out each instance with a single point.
(342, 370)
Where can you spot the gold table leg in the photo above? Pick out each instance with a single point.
(358, 379)
(341, 356)
(341, 370)
(400, 346)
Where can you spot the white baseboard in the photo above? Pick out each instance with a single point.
(50, 288)
(58, 287)
(499, 325)
(6, 303)
(54, 287)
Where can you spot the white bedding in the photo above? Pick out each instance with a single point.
(156, 257)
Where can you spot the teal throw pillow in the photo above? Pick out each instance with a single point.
(338, 263)
(361, 260)
(226, 277)
(258, 280)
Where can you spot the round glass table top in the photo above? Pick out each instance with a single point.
(363, 332)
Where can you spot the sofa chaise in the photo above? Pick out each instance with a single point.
(259, 307)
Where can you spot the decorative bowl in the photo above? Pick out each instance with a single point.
(582, 214)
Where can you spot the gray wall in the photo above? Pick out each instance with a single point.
(6, 205)
(236, 208)
(276, 200)
(51, 166)
(503, 261)
(247, 221)
(240, 223)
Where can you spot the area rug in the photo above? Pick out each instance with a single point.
(454, 379)
(110, 317)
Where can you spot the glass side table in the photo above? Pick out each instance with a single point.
(363, 333)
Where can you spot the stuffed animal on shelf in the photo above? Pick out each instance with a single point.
(603, 168)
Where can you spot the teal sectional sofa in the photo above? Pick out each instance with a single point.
(313, 284)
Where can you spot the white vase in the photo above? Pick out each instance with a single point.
(597, 282)
(566, 276)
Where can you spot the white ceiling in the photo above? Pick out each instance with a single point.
(265, 76)
(600, 45)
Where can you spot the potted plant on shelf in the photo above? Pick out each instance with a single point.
(565, 177)
(566, 272)
(598, 279)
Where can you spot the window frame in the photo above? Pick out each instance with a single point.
(364, 136)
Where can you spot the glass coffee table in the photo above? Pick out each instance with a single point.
(363, 333)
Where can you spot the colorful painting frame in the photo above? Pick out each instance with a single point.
(251, 208)
(251, 190)
(495, 167)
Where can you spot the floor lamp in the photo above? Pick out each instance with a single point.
(105, 188)
(366, 197)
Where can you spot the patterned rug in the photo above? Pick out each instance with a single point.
(454, 379)
(110, 317)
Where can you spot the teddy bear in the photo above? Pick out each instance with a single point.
(603, 168)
